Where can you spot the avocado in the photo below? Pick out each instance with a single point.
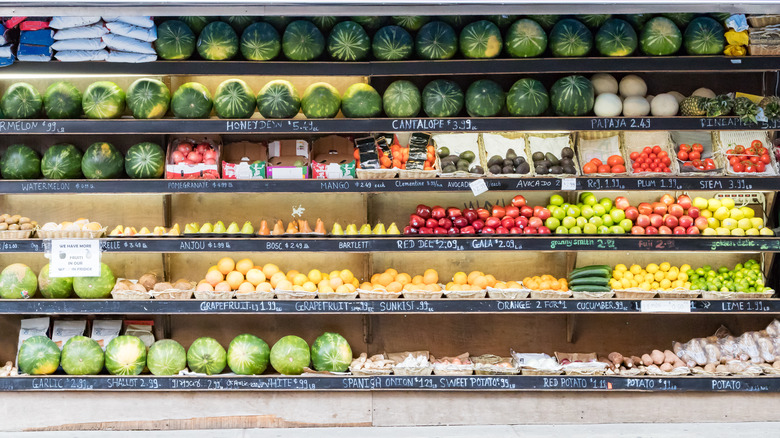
(567, 161)
(541, 169)
(546, 163)
(567, 152)
(495, 169)
(477, 170)
(556, 170)
(518, 161)
(523, 168)
(495, 159)
(507, 170)
(443, 151)
(569, 170)
(468, 156)
(538, 156)
(508, 162)
(462, 165)
(510, 153)
(552, 159)
(449, 169)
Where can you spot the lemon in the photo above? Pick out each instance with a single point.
(687, 285)
(614, 284)
(727, 202)
(713, 204)
(677, 284)
(649, 278)
(635, 269)
(665, 283)
(682, 276)
(644, 286)
(665, 266)
(652, 268)
(671, 275)
(628, 275)
(658, 276)
(655, 285)
(617, 275)
(685, 268)
(634, 283)
(621, 267)
(626, 283)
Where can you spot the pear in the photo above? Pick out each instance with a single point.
(233, 228)
(337, 230)
(207, 228)
(174, 231)
(158, 231)
(393, 230)
(144, 230)
(351, 230)
(116, 231)
(219, 227)
(379, 229)
(189, 229)
(247, 228)
(130, 231)
(365, 230)
(175, 227)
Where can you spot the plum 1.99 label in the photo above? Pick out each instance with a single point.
(74, 258)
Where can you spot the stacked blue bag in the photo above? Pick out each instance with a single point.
(6, 47)
(130, 39)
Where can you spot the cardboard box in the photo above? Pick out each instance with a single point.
(288, 159)
(244, 160)
(333, 158)
(193, 171)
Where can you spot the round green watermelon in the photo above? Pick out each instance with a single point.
(616, 38)
(125, 356)
(458, 21)
(331, 352)
(62, 161)
(95, 287)
(481, 39)
(680, 19)
(279, 22)
(442, 98)
(401, 99)
(502, 21)
(704, 36)
(38, 355)
(81, 356)
(54, 287)
(62, 100)
(239, 22)
(248, 355)
(145, 160)
(594, 21)
(234, 100)
(360, 101)
(148, 98)
(324, 22)
(166, 357)
(572, 96)
(21, 101)
(302, 41)
(206, 356)
(20, 162)
(392, 43)
(721, 17)
(570, 38)
(175, 40)
(260, 42)
(348, 42)
(412, 23)
(527, 98)
(436, 40)
(278, 100)
(546, 21)
(217, 42)
(320, 100)
(484, 98)
(660, 37)
(102, 161)
(369, 23)
(103, 100)
(637, 20)
(290, 355)
(196, 23)
(191, 100)
(525, 39)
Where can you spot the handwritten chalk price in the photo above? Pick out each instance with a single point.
(478, 187)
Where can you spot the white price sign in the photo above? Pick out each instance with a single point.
(75, 258)
(478, 187)
(569, 184)
(675, 306)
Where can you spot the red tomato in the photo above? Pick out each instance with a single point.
(734, 160)
(657, 149)
(754, 159)
(667, 170)
(765, 159)
(589, 168)
(634, 155)
(750, 168)
(645, 166)
(739, 149)
(697, 147)
(643, 156)
(662, 154)
(666, 161)
(760, 167)
(694, 155)
(709, 165)
(756, 144)
(682, 155)
(652, 156)
(739, 167)
(596, 161)
(685, 147)
(618, 168)
(603, 168)
(648, 150)
(636, 165)
(616, 160)
(762, 150)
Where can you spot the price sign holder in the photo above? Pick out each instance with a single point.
(74, 258)
(478, 187)
(665, 306)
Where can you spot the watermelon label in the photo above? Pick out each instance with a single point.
(40, 127)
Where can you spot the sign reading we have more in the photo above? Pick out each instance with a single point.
(75, 258)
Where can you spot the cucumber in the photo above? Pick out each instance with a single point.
(590, 288)
(595, 281)
(591, 272)
(584, 268)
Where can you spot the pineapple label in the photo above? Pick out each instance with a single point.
(75, 258)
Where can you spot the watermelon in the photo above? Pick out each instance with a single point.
(680, 19)
(18, 281)
(103, 100)
(442, 98)
(371, 23)
(361, 100)
(348, 42)
(704, 36)
(125, 356)
(102, 161)
(175, 40)
(436, 40)
(239, 22)
(62, 161)
(20, 162)
(148, 98)
(320, 100)
(51, 287)
(95, 287)
(721, 17)
(546, 21)
(484, 98)
(401, 99)
(206, 356)
(81, 356)
(660, 37)
(481, 39)
(195, 23)
(392, 43)
(166, 357)
(638, 20)
(234, 100)
(569, 38)
(247, 355)
(278, 100)
(594, 21)
(191, 100)
(38, 355)
(290, 355)
(145, 160)
(458, 21)
(527, 97)
(331, 352)
(62, 100)
(260, 42)
(324, 22)
(21, 101)
(503, 21)
(525, 39)
(616, 38)
(302, 41)
(412, 23)
(217, 42)
(572, 96)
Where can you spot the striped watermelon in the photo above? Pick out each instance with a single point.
(206, 356)
(62, 100)
(324, 22)
(546, 21)
(196, 23)
(320, 100)
(20, 162)
(527, 97)
(525, 39)
(145, 160)
(81, 356)
(401, 99)
(278, 100)
(260, 42)
(302, 41)
(191, 100)
(175, 40)
(361, 101)
(102, 161)
(234, 100)
(217, 42)
(392, 43)
(594, 21)
(412, 23)
(62, 161)
(103, 100)
(436, 40)
(569, 38)
(348, 42)
(38, 355)
(616, 38)
(148, 98)
(442, 98)
(481, 39)
(21, 101)
(572, 96)
(125, 356)
(484, 98)
(660, 37)
(704, 36)
(247, 355)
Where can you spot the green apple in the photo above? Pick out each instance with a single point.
(617, 214)
(589, 229)
(617, 229)
(587, 211)
(748, 212)
(607, 220)
(561, 230)
(599, 210)
(737, 232)
(556, 200)
(700, 203)
(573, 211)
(575, 230)
(606, 203)
(552, 223)
(565, 206)
(597, 221)
(581, 221)
(626, 225)
(603, 229)
(569, 222)
(590, 200)
(557, 212)
(584, 195)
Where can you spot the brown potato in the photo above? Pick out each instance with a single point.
(159, 287)
(658, 357)
(138, 287)
(666, 367)
(616, 358)
(183, 285)
(3, 226)
(13, 227)
(148, 280)
(26, 226)
(670, 357)
(647, 360)
(15, 218)
(121, 286)
(24, 220)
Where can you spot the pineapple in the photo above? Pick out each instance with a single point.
(719, 106)
(767, 100)
(772, 111)
(746, 109)
(693, 106)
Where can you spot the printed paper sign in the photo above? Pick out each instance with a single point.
(75, 258)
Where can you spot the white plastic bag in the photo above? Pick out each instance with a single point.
(130, 31)
(66, 22)
(125, 44)
(81, 55)
(79, 44)
(135, 21)
(119, 56)
(91, 31)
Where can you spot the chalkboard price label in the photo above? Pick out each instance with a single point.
(610, 123)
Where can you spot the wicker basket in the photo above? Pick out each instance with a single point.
(753, 295)
(633, 372)
(213, 295)
(535, 372)
(453, 370)
(508, 294)
(255, 296)
(717, 295)
(653, 370)
(593, 295)
(172, 294)
(499, 144)
(550, 294)
(443, 140)
(295, 295)
(423, 295)
(70, 234)
(465, 294)
(376, 173)
(636, 141)
(601, 145)
(377, 295)
(130, 295)
(635, 294)
(763, 20)
(486, 365)
(337, 295)
(413, 371)
(678, 293)
(16, 234)
(369, 372)
(704, 138)
(723, 140)
(552, 142)
(764, 49)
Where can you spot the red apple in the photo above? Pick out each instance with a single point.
(544, 230)
(470, 214)
(526, 211)
(659, 208)
(663, 229)
(667, 199)
(643, 220)
(692, 230)
(656, 220)
(438, 212)
(535, 222)
(694, 212)
(622, 203)
(686, 221)
(488, 230)
(502, 230)
(478, 224)
(468, 230)
(701, 222)
(460, 222)
(632, 213)
(521, 222)
(410, 230)
(432, 223)
(530, 230)
(651, 230)
(543, 214)
(439, 230)
(512, 211)
(671, 221)
(536, 209)
(445, 223)
(426, 230)
(645, 208)
(454, 212)
(637, 230)
(518, 201)
(679, 230)
(685, 201)
(492, 222)
(453, 230)
(515, 230)
(676, 210)
(416, 221)
(507, 222)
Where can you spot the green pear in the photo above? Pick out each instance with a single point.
(188, 229)
(351, 230)
(247, 228)
(233, 228)
(365, 229)
(393, 230)
(219, 225)
(379, 229)
(337, 230)
(206, 228)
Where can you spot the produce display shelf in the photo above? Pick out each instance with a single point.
(374, 383)
(444, 243)
(342, 125)
(675, 182)
(397, 306)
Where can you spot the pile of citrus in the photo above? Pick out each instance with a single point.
(393, 281)
(652, 277)
(546, 282)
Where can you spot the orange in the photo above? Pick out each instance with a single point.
(214, 277)
(480, 282)
(276, 278)
(355, 282)
(225, 265)
(255, 276)
(473, 275)
(269, 269)
(284, 285)
(264, 287)
(234, 279)
(395, 287)
(418, 279)
(366, 286)
(315, 276)
(499, 285)
(385, 279)
(298, 279)
(244, 265)
(491, 280)
(291, 274)
(513, 285)
(346, 276)
(246, 287)
(460, 278)
(223, 286)
(391, 271)
(430, 276)
(403, 278)
(374, 278)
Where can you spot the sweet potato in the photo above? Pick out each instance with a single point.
(636, 360)
(609, 363)
(657, 356)
(710, 367)
(628, 362)
(670, 357)
(616, 358)
(647, 360)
